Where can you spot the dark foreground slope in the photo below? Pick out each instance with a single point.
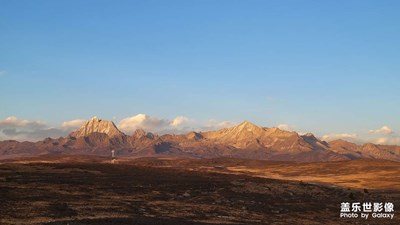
(136, 193)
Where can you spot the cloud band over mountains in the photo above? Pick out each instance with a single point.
(25, 130)
(13, 128)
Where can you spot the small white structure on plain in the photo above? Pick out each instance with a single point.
(113, 159)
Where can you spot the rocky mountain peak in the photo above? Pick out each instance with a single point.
(245, 128)
(140, 133)
(95, 125)
(369, 147)
(310, 137)
(194, 136)
(246, 125)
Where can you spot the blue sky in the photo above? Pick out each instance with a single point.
(327, 67)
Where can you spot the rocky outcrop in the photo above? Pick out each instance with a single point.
(252, 137)
(368, 150)
(96, 125)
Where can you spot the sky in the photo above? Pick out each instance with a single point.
(326, 67)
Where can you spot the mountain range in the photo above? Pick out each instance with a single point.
(246, 140)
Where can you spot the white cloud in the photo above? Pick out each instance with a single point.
(344, 136)
(180, 124)
(179, 121)
(382, 130)
(25, 130)
(395, 140)
(286, 127)
(33, 135)
(142, 121)
(379, 136)
(73, 123)
(12, 122)
(213, 124)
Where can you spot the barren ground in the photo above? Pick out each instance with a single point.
(68, 190)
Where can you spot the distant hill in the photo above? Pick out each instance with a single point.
(246, 140)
